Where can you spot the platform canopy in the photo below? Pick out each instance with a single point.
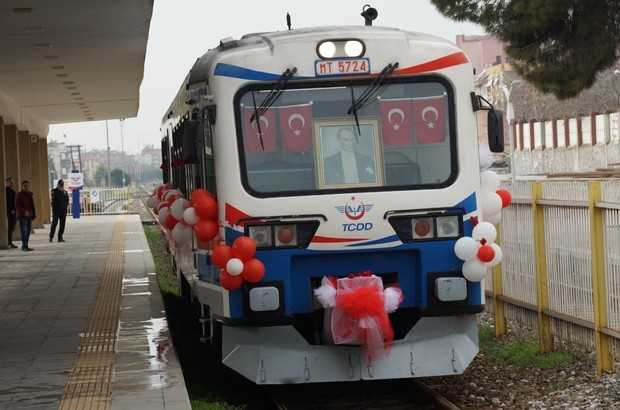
(71, 60)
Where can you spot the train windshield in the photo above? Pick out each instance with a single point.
(309, 142)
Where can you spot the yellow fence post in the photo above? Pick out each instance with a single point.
(542, 283)
(604, 355)
(498, 304)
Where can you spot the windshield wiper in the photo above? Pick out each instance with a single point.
(372, 90)
(269, 100)
(357, 120)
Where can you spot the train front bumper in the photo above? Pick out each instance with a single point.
(435, 346)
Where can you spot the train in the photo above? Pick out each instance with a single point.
(336, 150)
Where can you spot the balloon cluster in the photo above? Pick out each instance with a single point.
(181, 217)
(492, 198)
(237, 263)
(479, 251)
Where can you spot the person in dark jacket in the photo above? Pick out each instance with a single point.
(24, 204)
(11, 213)
(60, 203)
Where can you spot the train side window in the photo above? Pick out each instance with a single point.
(207, 162)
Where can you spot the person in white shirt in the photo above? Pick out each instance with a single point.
(348, 166)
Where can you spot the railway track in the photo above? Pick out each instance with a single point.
(384, 395)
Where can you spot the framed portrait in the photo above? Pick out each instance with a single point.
(346, 158)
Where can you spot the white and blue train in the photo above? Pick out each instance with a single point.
(364, 158)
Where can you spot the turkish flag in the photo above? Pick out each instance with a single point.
(296, 127)
(397, 122)
(251, 137)
(430, 119)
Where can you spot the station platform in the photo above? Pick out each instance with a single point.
(82, 323)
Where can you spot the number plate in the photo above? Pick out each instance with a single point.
(345, 66)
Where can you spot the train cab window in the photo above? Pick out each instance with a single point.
(308, 142)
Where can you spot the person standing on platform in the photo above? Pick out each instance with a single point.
(60, 203)
(11, 215)
(24, 205)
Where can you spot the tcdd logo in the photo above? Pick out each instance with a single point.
(354, 209)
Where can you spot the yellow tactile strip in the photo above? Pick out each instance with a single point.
(90, 383)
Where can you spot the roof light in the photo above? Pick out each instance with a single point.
(327, 49)
(345, 48)
(353, 48)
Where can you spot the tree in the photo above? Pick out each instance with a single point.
(101, 176)
(117, 176)
(557, 45)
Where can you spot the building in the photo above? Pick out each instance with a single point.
(483, 51)
(554, 137)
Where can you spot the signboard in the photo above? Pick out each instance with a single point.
(76, 180)
(341, 66)
(94, 196)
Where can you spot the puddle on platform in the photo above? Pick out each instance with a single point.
(153, 363)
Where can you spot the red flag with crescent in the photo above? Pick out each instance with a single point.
(397, 122)
(296, 127)
(251, 137)
(430, 119)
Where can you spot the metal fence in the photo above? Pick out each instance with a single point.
(104, 201)
(561, 269)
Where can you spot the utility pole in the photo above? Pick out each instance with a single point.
(107, 138)
(122, 123)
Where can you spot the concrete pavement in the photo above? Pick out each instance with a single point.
(55, 306)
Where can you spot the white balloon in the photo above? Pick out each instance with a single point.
(172, 192)
(489, 181)
(498, 255)
(466, 248)
(490, 202)
(234, 267)
(486, 157)
(178, 207)
(190, 217)
(182, 234)
(474, 270)
(163, 214)
(484, 230)
(493, 218)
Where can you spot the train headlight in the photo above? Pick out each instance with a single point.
(353, 48)
(448, 226)
(422, 228)
(342, 48)
(286, 235)
(450, 289)
(411, 226)
(281, 234)
(264, 299)
(262, 235)
(327, 49)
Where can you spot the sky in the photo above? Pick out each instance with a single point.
(183, 30)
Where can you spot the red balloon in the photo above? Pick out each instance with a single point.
(486, 253)
(230, 282)
(205, 207)
(170, 222)
(244, 248)
(200, 192)
(506, 197)
(163, 204)
(221, 255)
(205, 230)
(253, 271)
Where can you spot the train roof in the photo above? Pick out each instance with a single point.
(199, 73)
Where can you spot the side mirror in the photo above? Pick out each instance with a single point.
(495, 130)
